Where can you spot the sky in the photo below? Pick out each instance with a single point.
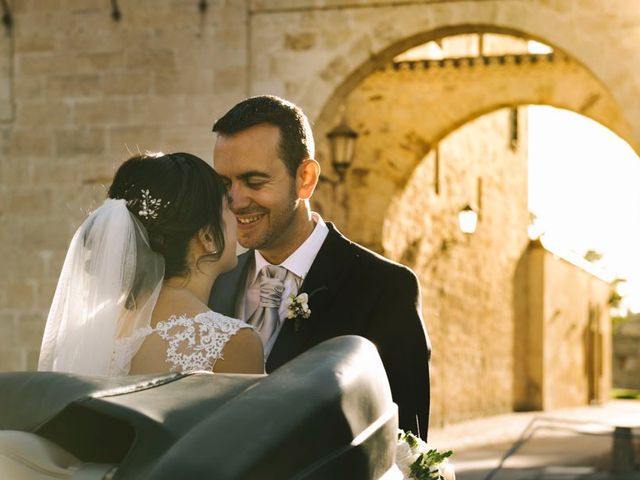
(584, 188)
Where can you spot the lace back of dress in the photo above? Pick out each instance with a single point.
(196, 343)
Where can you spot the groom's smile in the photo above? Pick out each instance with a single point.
(248, 220)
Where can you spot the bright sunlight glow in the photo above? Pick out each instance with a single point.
(583, 188)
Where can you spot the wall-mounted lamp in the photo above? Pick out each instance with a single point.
(342, 140)
(468, 219)
(467, 222)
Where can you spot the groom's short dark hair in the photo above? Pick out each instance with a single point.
(296, 139)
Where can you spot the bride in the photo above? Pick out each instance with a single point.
(132, 295)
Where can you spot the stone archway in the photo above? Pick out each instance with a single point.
(340, 46)
(386, 107)
(424, 101)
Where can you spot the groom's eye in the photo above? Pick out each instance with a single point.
(255, 183)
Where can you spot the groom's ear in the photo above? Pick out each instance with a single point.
(307, 178)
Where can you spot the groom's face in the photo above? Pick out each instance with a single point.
(262, 192)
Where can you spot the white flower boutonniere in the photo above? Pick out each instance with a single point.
(298, 308)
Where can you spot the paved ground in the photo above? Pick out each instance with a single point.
(565, 444)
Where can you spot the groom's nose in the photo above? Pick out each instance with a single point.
(238, 198)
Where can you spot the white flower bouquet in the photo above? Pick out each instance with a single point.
(418, 461)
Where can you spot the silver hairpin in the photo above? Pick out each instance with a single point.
(150, 206)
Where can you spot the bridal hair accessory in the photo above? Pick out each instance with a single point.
(107, 290)
(149, 206)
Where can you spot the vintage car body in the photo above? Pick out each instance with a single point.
(328, 414)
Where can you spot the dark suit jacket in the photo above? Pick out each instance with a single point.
(353, 291)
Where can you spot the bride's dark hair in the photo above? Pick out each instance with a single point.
(174, 196)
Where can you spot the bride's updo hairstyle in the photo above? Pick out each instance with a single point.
(174, 196)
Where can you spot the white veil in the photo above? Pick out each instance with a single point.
(107, 290)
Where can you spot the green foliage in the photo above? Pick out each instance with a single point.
(424, 468)
(411, 439)
(625, 393)
(592, 256)
(614, 299)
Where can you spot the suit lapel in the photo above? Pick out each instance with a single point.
(229, 286)
(322, 283)
(327, 272)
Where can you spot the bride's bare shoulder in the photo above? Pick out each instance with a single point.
(242, 354)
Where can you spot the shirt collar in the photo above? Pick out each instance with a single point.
(299, 262)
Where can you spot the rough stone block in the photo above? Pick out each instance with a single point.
(111, 111)
(45, 234)
(79, 141)
(6, 111)
(30, 327)
(31, 142)
(20, 295)
(43, 113)
(300, 41)
(30, 359)
(102, 62)
(7, 330)
(196, 139)
(229, 80)
(74, 86)
(32, 64)
(34, 43)
(150, 59)
(28, 88)
(28, 201)
(128, 83)
(186, 82)
(152, 110)
(11, 360)
(60, 174)
(46, 290)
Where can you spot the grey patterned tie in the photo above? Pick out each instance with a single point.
(266, 318)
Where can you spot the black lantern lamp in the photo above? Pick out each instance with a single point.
(343, 141)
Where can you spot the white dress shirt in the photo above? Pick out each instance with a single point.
(297, 264)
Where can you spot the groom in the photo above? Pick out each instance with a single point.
(264, 151)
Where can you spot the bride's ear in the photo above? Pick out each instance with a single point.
(307, 178)
(205, 239)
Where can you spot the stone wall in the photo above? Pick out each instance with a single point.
(563, 341)
(467, 283)
(405, 108)
(87, 92)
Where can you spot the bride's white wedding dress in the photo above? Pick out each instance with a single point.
(193, 343)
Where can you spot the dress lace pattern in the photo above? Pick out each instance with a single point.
(194, 343)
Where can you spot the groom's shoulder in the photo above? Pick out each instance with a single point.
(373, 261)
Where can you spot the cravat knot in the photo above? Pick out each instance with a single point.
(266, 318)
(272, 285)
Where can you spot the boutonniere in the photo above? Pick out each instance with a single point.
(298, 307)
